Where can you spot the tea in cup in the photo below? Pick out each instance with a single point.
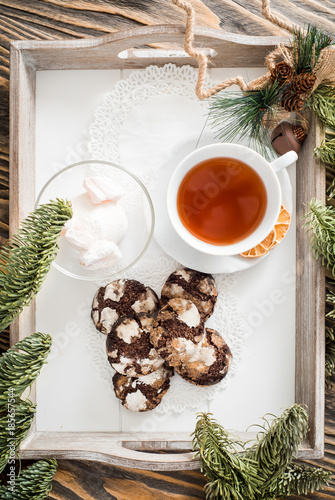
(224, 199)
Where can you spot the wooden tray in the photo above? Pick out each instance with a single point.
(133, 449)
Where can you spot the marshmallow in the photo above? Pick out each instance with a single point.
(99, 222)
(101, 254)
(80, 240)
(106, 221)
(101, 189)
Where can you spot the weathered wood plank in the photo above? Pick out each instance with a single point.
(84, 14)
(243, 17)
(90, 480)
(310, 287)
(78, 480)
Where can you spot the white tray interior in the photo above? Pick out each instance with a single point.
(71, 396)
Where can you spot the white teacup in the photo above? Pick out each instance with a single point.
(266, 172)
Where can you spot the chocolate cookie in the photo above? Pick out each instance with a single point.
(206, 363)
(179, 319)
(191, 285)
(122, 298)
(143, 393)
(129, 349)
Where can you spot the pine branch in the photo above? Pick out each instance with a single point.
(278, 443)
(236, 115)
(320, 227)
(26, 259)
(231, 475)
(322, 103)
(307, 46)
(301, 480)
(21, 364)
(15, 420)
(34, 483)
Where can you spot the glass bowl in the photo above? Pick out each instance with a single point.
(136, 202)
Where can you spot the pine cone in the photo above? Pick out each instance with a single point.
(282, 72)
(299, 133)
(303, 82)
(292, 102)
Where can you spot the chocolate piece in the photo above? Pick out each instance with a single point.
(122, 298)
(193, 285)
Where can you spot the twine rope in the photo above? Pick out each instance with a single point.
(202, 58)
(278, 21)
(280, 51)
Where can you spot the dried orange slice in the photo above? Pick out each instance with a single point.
(273, 238)
(263, 247)
(282, 225)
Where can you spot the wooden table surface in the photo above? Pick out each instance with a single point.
(69, 19)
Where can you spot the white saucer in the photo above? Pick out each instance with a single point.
(170, 241)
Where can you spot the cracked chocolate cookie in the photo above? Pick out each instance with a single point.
(129, 349)
(192, 285)
(143, 393)
(205, 363)
(122, 298)
(178, 320)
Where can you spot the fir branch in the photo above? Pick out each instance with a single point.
(326, 152)
(236, 115)
(322, 103)
(26, 259)
(301, 479)
(262, 472)
(320, 227)
(231, 475)
(15, 420)
(21, 364)
(307, 46)
(34, 483)
(278, 443)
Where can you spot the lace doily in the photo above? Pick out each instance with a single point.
(226, 319)
(111, 119)
(130, 116)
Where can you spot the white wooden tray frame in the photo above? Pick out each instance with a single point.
(129, 449)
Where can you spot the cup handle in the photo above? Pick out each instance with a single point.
(284, 161)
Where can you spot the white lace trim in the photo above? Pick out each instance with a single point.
(155, 267)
